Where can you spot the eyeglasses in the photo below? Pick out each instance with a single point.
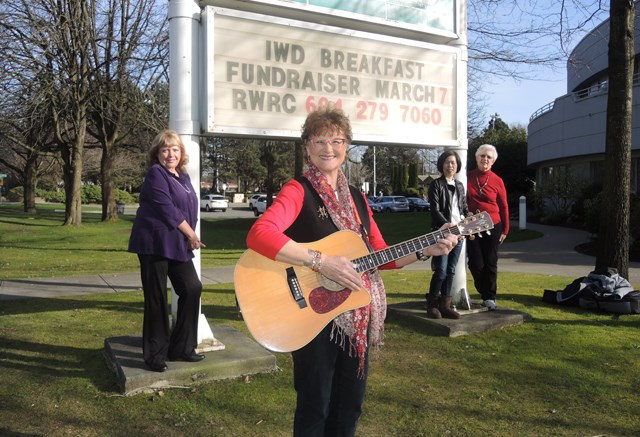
(334, 142)
(486, 156)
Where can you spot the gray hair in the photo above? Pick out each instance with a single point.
(489, 147)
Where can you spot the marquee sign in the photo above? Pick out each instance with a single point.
(265, 74)
(430, 16)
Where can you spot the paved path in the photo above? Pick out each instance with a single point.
(553, 254)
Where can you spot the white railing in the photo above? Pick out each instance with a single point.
(591, 91)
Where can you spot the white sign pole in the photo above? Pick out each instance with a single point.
(184, 70)
(459, 286)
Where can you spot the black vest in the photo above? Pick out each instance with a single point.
(313, 222)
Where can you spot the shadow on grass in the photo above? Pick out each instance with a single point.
(56, 361)
(36, 305)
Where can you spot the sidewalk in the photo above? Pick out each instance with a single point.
(553, 255)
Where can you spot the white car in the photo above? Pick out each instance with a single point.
(212, 202)
(253, 199)
(260, 205)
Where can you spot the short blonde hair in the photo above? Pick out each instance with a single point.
(165, 138)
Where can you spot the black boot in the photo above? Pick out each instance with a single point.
(446, 310)
(432, 307)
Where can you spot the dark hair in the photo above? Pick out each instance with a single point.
(326, 120)
(443, 157)
(167, 137)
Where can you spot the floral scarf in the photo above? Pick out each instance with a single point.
(362, 324)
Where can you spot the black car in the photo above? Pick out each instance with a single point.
(418, 204)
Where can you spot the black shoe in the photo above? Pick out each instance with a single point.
(192, 357)
(157, 367)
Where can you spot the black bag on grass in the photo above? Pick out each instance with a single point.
(592, 299)
(601, 290)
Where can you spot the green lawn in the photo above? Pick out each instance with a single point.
(33, 246)
(567, 372)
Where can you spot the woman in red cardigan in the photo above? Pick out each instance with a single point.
(330, 372)
(486, 192)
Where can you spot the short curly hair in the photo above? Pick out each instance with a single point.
(326, 120)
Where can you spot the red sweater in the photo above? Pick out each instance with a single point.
(493, 198)
(267, 237)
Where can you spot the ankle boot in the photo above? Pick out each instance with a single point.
(446, 310)
(432, 307)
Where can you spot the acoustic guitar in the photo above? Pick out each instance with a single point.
(286, 306)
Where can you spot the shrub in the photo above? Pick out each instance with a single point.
(91, 194)
(54, 196)
(124, 197)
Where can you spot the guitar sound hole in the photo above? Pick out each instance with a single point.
(329, 284)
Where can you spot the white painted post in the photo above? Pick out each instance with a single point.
(459, 286)
(460, 293)
(523, 214)
(184, 54)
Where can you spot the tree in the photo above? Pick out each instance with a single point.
(613, 236)
(517, 38)
(25, 135)
(129, 54)
(46, 42)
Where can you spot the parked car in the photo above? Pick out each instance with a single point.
(418, 204)
(375, 207)
(260, 205)
(253, 199)
(393, 203)
(212, 202)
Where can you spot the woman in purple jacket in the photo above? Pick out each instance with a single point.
(163, 236)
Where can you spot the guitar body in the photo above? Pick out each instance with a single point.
(286, 306)
(274, 317)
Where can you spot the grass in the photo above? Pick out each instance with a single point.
(567, 372)
(33, 246)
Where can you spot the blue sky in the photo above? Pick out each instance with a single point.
(515, 101)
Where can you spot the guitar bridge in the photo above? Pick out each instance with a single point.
(295, 289)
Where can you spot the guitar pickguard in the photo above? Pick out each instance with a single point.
(322, 300)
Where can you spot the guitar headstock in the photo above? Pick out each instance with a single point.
(475, 224)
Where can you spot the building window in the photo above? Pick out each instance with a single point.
(595, 172)
(635, 181)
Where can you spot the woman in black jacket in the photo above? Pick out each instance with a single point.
(448, 205)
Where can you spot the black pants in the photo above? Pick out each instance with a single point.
(483, 262)
(157, 343)
(330, 393)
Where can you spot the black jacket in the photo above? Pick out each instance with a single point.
(441, 198)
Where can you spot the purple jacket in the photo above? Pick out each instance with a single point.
(165, 202)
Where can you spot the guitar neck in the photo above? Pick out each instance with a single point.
(400, 250)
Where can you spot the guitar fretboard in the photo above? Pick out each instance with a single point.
(399, 250)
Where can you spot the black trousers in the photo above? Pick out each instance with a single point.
(330, 393)
(158, 343)
(483, 262)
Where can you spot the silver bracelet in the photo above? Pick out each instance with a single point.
(316, 261)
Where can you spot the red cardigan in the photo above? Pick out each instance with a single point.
(267, 237)
(493, 198)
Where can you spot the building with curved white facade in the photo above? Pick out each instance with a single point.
(569, 133)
